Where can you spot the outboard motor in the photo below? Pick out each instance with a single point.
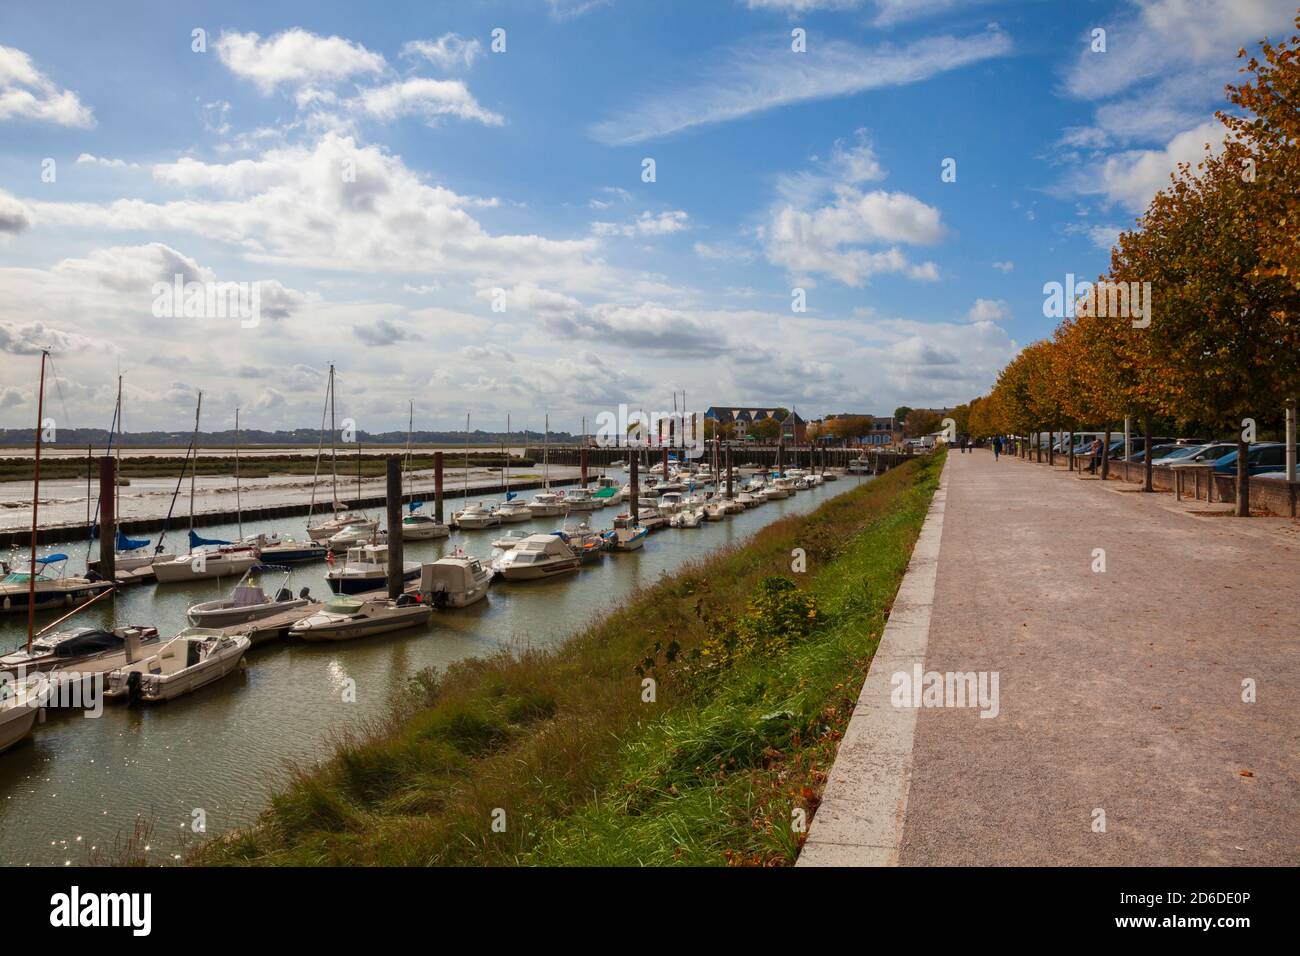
(305, 593)
(132, 687)
(440, 598)
(284, 594)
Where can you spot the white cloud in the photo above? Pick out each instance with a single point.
(646, 224)
(28, 338)
(87, 159)
(295, 58)
(420, 96)
(14, 216)
(450, 51)
(989, 310)
(1131, 178)
(759, 77)
(888, 12)
(1004, 267)
(28, 94)
(292, 206)
(723, 252)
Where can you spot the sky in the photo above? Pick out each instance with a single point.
(855, 204)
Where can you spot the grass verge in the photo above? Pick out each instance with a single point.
(562, 758)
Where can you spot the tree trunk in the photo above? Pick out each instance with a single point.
(1105, 456)
(1051, 448)
(1243, 479)
(1069, 454)
(1146, 458)
(1038, 442)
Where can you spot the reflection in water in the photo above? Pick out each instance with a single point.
(80, 783)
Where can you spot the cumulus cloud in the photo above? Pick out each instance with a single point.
(295, 58)
(14, 217)
(647, 224)
(1132, 177)
(989, 310)
(29, 338)
(426, 98)
(28, 94)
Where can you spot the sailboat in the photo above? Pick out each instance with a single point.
(416, 525)
(130, 554)
(208, 557)
(546, 503)
(341, 518)
(513, 509)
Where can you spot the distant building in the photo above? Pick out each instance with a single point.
(743, 417)
(876, 430)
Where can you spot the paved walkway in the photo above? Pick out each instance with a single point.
(1118, 692)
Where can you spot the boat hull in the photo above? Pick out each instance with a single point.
(353, 628)
(14, 600)
(216, 566)
(211, 615)
(362, 583)
(533, 572)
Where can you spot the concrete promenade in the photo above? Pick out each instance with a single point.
(1120, 692)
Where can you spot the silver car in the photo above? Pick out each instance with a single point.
(1205, 455)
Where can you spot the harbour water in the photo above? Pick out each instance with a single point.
(79, 784)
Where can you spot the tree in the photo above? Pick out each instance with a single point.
(765, 429)
(901, 413)
(921, 422)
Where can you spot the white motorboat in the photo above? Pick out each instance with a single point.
(53, 588)
(859, 465)
(273, 548)
(509, 540)
(354, 536)
(731, 506)
(688, 518)
(671, 503)
(577, 500)
(626, 539)
(21, 703)
(343, 519)
(775, 490)
(830, 474)
(482, 515)
(537, 556)
(366, 569)
(344, 618)
(546, 504)
(715, 511)
(79, 647)
(418, 526)
(648, 516)
(249, 601)
(455, 580)
(194, 658)
(514, 511)
(608, 492)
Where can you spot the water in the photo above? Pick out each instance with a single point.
(79, 783)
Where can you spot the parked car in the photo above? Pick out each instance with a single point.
(1204, 455)
(1261, 458)
(1157, 451)
(1279, 475)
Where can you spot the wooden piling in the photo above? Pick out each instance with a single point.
(634, 509)
(582, 462)
(728, 467)
(107, 518)
(395, 558)
(437, 486)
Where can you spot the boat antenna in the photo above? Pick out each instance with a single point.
(36, 504)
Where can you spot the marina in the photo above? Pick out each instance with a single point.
(78, 784)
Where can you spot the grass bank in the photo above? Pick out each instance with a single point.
(692, 740)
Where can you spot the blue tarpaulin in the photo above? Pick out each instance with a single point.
(197, 542)
(124, 543)
(511, 496)
(415, 506)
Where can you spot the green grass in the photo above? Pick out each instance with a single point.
(755, 669)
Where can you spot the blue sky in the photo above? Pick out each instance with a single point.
(515, 178)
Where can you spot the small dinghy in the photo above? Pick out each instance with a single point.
(249, 602)
(509, 540)
(194, 658)
(344, 618)
(626, 539)
(21, 703)
(456, 580)
(690, 518)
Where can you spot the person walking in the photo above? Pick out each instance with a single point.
(1094, 452)
(997, 447)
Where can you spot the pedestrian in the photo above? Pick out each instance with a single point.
(997, 446)
(1095, 452)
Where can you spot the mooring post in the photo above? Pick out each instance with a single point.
(583, 462)
(665, 463)
(395, 565)
(107, 519)
(437, 486)
(728, 467)
(634, 509)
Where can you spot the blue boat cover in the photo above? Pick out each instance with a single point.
(129, 544)
(415, 506)
(196, 541)
(51, 558)
(511, 495)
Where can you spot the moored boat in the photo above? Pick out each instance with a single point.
(79, 647)
(249, 601)
(456, 580)
(344, 618)
(366, 569)
(21, 703)
(194, 658)
(537, 556)
(51, 588)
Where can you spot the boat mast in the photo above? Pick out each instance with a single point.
(320, 445)
(36, 504)
(334, 447)
(239, 507)
(465, 477)
(410, 431)
(117, 478)
(194, 470)
(546, 455)
(507, 455)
